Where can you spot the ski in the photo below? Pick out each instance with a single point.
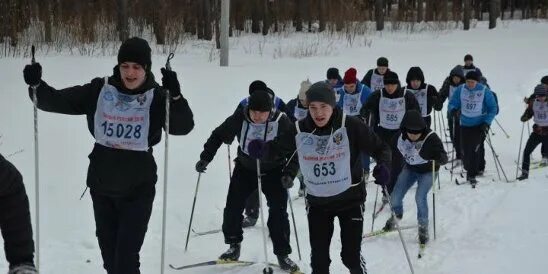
(422, 247)
(202, 233)
(381, 232)
(211, 263)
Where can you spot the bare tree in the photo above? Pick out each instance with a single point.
(494, 6)
(299, 12)
(123, 22)
(429, 11)
(444, 10)
(379, 14)
(322, 14)
(420, 10)
(466, 19)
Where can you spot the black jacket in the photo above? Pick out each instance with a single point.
(431, 96)
(367, 77)
(118, 172)
(444, 91)
(371, 107)
(290, 107)
(362, 139)
(279, 150)
(11, 180)
(432, 149)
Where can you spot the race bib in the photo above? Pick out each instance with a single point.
(472, 102)
(252, 131)
(422, 97)
(411, 150)
(540, 110)
(391, 112)
(377, 82)
(352, 103)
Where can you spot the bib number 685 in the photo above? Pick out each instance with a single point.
(324, 169)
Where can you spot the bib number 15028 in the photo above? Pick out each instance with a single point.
(324, 169)
(121, 131)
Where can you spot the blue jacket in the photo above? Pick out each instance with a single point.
(489, 109)
(365, 92)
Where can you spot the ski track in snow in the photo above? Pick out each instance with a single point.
(496, 228)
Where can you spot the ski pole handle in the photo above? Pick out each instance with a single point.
(168, 62)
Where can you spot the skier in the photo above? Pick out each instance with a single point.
(426, 95)
(386, 108)
(351, 97)
(531, 99)
(252, 203)
(15, 220)
(374, 77)
(125, 113)
(297, 109)
(455, 79)
(329, 143)
(469, 66)
(417, 147)
(477, 108)
(264, 133)
(538, 110)
(334, 78)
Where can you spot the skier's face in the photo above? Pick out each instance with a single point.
(350, 87)
(320, 113)
(258, 117)
(132, 74)
(390, 88)
(382, 70)
(413, 137)
(415, 84)
(468, 63)
(455, 79)
(333, 82)
(541, 98)
(471, 84)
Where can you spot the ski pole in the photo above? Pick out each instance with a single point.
(294, 225)
(498, 160)
(528, 128)
(504, 131)
(229, 162)
(494, 159)
(453, 156)
(192, 212)
(399, 229)
(36, 165)
(267, 268)
(374, 209)
(519, 151)
(166, 153)
(434, 195)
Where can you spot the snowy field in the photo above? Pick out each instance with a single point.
(495, 229)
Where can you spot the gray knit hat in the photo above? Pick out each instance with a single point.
(321, 92)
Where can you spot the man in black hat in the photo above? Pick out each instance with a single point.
(426, 95)
(266, 134)
(329, 145)
(126, 115)
(386, 107)
(334, 78)
(15, 220)
(417, 146)
(469, 66)
(538, 110)
(374, 78)
(477, 107)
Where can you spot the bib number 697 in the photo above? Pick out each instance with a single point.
(324, 169)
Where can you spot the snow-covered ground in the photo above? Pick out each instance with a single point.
(497, 228)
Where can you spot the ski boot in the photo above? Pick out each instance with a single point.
(23, 269)
(472, 180)
(391, 223)
(524, 175)
(232, 254)
(423, 235)
(287, 264)
(249, 221)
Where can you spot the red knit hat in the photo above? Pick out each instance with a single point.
(350, 76)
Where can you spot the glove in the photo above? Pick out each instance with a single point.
(484, 128)
(523, 118)
(381, 174)
(33, 74)
(201, 166)
(257, 148)
(287, 181)
(170, 82)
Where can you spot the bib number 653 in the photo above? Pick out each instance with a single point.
(324, 169)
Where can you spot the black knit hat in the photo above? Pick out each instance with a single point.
(382, 62)
(321, 92)
(544, 80)
(260, 100)
(391, 78)
(333, 73)
(135, 50)
(540, 90)
(473, 75)
(413, 122)
(457, 71)
(256, 85)
(468, 57)
(414, 73)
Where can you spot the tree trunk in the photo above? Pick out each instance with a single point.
(123, 25)
(379, 14)
(457, 10)
(299, 12)
(512, 8)
(267, 19)
(255, 18)
(420, 11)
(321, 14)
(429, 11)
(217, 22)
(466, 19)
(208, 18)
(444, 10)
(493, 13)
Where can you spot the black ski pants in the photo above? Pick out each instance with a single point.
(473, 149)
(242, 184)
(121, 224)
(534, 140)
(16, 225)
(454, 133)
(320, 228)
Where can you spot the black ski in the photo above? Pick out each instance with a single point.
(214, 262)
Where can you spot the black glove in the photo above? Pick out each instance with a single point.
(524, 118)
(287, 181)
(484, 128)
(201, 166)
(381, 174)
(170, 82)
(32, 74)
(257, 148)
